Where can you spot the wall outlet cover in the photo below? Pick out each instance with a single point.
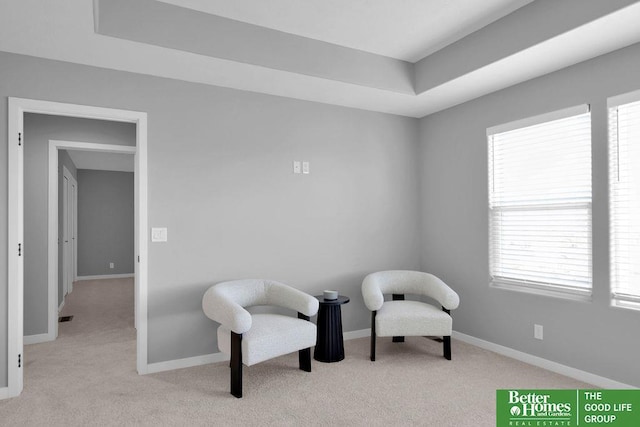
(538, 332)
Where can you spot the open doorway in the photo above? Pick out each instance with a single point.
(96, 213)
(98, 311)
(16, 215)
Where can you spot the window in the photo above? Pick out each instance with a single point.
(624, 200)
(540, 204)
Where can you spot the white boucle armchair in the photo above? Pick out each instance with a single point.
(399, 318)
(252, 338)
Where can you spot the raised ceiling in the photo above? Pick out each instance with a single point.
(407, 29)
(357, 54)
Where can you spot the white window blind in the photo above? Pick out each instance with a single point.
(624, 203)
(540, 203)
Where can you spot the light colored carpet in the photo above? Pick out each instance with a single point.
(87, 377)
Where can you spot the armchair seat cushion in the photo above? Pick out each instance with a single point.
(271, 335)
(412, 318)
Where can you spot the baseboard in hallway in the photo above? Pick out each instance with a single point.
(37, 339)
(105, 276)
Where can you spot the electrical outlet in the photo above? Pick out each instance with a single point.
(111, 265)
(537, 332)
(296, 167)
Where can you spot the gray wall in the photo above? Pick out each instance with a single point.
(105, 222)
(38, 130)
(220, 178)
(63, 160)
(590, 336)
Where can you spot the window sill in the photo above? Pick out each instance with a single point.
(625, 305)
(546, 292)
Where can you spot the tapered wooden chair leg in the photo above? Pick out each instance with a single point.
(373, 336)
(397, 297)
(446, 343)
(304, 359)
(236, 364)
(304, 355)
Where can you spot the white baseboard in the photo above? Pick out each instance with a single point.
(549, 365)
(61, 306)
(188, 362)
(36, 339)
(361, 333)
(4, 393)
(221, 357)
(105, 276)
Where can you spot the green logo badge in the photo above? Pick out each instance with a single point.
(546, 408)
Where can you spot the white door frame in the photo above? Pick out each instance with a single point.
(73, 209)
(15, 261)
(53, 254)
(74, 232)
(66, 173)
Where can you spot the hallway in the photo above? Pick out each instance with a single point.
(103, 307)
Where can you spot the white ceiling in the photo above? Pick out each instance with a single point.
(102, 161)
(401, 29)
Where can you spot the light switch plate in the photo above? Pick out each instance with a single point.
(158, 234)
(296, 166)
(305, 168)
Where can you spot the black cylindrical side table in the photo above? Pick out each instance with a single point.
(329, 341)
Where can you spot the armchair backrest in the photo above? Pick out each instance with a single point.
(225, 302)
(246, 293)
(375, 285)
